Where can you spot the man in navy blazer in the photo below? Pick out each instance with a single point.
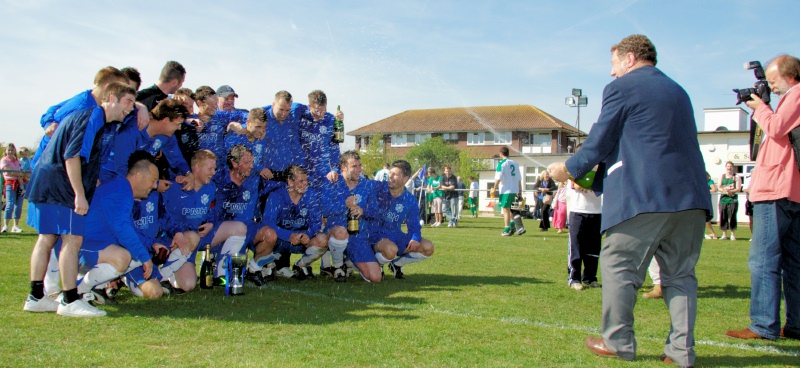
(655, 203)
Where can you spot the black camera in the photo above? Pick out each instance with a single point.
(760, 88)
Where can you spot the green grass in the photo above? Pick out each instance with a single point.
(481, 300)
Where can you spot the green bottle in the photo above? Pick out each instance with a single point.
(338, 128)
(586, 181)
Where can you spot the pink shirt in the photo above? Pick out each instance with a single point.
(8, 164)
(776, 175)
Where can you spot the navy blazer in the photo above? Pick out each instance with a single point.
(645, 143)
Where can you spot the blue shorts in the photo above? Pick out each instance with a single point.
(87, 257)
(54, 219)
(284, 246)
(359, 249)
(136, 275)
(252, 230)
(401, 240)
(201, 246)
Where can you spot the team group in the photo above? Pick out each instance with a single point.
(128, 186)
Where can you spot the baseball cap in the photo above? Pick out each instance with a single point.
(225, 91)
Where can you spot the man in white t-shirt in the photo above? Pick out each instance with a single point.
(585, 209)
(507, 174)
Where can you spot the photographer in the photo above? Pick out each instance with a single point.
(775, 193)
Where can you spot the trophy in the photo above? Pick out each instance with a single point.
(235, 267)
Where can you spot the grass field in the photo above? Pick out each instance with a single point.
(480, 301)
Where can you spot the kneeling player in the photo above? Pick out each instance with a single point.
(111, 246)
(397, 205)
(293, 213)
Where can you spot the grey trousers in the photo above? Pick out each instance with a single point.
(675, 240)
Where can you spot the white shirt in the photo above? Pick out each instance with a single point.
(583, 201)
(508, 174)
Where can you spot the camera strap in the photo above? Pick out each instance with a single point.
(794, 139)
(756, 136)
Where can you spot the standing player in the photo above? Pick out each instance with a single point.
(397, 205)
(507, 174)
(253, 136)
(316, 138)
(62, 184)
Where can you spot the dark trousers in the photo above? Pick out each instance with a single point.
(545, 223)
(584, 246)
(727, 215)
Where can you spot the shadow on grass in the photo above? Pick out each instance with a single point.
(723, 291)
(738, 361)
(317, 301)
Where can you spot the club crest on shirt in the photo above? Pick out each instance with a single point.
(204, 199)
(358, 198)
(157, 145)
(246, 195)
(150, 207)
(303, 212)
(258, 147)
(398, 208)
(323, 129)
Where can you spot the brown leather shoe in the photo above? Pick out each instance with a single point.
(664, 358)
(743, 334)
(598, 346)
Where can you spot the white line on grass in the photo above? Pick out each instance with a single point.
(525, 321)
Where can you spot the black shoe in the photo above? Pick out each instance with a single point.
(256, 278)
(269, 274)
(166, 288)
(300, 273)
(219, 281)
(310, 272)
(398, 271)
(339, 275)
(100, 297)
(327, 271)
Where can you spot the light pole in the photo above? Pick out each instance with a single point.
(577, 100)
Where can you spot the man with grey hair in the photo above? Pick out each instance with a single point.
(645, 130)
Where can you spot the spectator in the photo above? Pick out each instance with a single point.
(729, 185)
(13, 184)
(434, 188)
(713, 188)
(546, 187)
(560, 208)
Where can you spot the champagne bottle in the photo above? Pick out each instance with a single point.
(586, 181)
(352, 223)
(338, 128)
(207, 270)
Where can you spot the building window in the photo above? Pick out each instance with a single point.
(531, 175)
(475, 138)
(502, 138)
(450, 137)
(540, 139)
(398, 140)
(421, 138)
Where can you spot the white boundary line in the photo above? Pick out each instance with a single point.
(524, 321)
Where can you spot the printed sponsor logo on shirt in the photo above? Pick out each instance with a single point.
(194, 211)
(143, 222)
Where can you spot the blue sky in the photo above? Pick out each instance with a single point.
(380, 58)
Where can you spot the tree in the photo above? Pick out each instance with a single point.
(374, 155)
(469, 165)
(435, 153)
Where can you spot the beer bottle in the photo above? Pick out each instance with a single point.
(338, 129)
(352, 223)
(207, 270)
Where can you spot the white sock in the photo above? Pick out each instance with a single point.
(133, 265)
(412, 257)
(312, 254)
(325, 260)
(233, 245)
(381, 259)
(174, 262)
(52, 278)
(256, 265)
(337, 248)
(99, 274)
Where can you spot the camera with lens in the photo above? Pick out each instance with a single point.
(760, 88)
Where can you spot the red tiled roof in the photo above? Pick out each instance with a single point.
(466, 119)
